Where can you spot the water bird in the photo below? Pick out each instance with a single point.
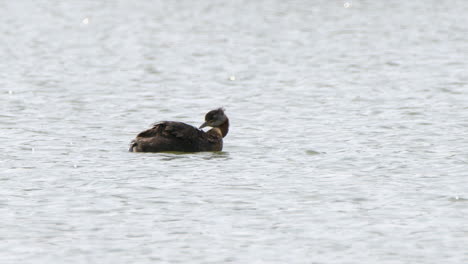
(181, 137)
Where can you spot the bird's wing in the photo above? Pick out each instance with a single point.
(154, 131)
(172, 129)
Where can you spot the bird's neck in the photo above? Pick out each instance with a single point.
(222, 130)
(224, 127)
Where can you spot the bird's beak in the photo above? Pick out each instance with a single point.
(204, 125)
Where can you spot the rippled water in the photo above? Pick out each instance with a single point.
(347, 141)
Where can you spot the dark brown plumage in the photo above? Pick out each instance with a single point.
(178, 136)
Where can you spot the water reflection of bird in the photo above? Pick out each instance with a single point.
(178, 136)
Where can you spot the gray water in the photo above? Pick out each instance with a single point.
(347, 142)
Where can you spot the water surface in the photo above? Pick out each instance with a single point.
(347, 141)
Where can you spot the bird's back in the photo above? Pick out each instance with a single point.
(175, 136)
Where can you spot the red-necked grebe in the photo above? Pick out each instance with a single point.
(178, 136)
